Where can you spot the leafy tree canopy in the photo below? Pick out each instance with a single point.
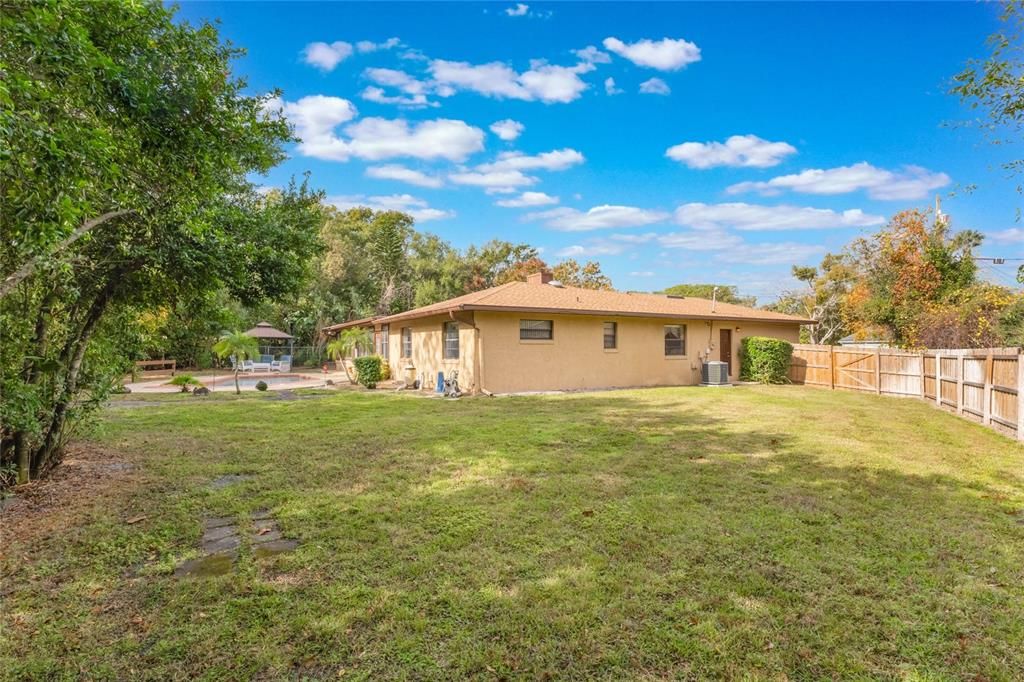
(127, 149)
(726, 293)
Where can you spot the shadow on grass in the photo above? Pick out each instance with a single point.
(613, 535)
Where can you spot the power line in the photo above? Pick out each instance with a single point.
(998, 261)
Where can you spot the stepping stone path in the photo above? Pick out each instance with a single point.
(221, 540)
(267, 539)
(226, 480)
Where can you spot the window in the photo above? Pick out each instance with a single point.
(543, 330)
(385, 332)
(675, 339)
(406, 342)
(611, 335)
(451, 340)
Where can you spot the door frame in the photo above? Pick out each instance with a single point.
(725, 347)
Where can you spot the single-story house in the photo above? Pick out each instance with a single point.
(539, 335)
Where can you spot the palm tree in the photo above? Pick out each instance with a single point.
(346, 344)
(239, 345)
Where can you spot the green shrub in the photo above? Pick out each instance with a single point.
(368, 370)
(765, 360)
(186, 381)
(261, 385)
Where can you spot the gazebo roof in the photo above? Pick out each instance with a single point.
(263, 330)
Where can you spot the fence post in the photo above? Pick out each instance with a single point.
(1020, 396)
(938, 379)
(986, 410)
(960, 382)
(878, 371)
(920, 366)
(832, 367)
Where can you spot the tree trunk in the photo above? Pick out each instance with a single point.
(344, 366)
(238, 389)
(74, 353)
(23, 457)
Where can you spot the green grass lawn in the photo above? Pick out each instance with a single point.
(686, 533)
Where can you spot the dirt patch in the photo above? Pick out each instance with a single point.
(87, 479)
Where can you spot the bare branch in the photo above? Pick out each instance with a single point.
(29, 268)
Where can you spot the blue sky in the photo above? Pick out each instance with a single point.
(671, 142)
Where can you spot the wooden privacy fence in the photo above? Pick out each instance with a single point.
(978, 383)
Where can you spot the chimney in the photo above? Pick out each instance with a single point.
(542, 277)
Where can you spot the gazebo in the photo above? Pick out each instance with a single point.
(263, 331)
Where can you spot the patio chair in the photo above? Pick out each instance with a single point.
(248, 366)
(283, 365)
(263, 364)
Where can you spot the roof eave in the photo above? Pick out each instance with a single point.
(621, 313)
(411, 315)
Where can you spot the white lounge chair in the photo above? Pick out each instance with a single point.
(283, 365)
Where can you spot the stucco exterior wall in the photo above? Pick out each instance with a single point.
(495, 359)
(427, 352)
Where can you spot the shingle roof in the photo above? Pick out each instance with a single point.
(523, 297)
(263, 330)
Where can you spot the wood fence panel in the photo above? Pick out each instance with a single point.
(978, 384)
(929, 376)
(855, 370)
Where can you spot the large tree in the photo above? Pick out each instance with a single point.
(726, 293)
(126, 152)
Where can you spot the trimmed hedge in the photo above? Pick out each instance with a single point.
(765, 360)
(368, 370)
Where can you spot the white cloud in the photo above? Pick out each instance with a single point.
(415, 89)
(635, 238)
(665, 55)
(609, 246)
(406, 203)
(545, 82)
(327, 56)
(528, 199)
(754, 217)
(378, 138)
(592, 55)
(1011, 235)
(610, 88)
(316, 117)
(507, 129)
(642, 273)
(737, 151)
(700, 240)
(910, 182)
(374, 94)
(397, 79)
(655, 86)
(730, 248)
(594, 248)
(520, 10)
(555, 160)
(783, 253)
(370, 46)
(598, 218)
(505, 174)
(494, 181)
(403, 174)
